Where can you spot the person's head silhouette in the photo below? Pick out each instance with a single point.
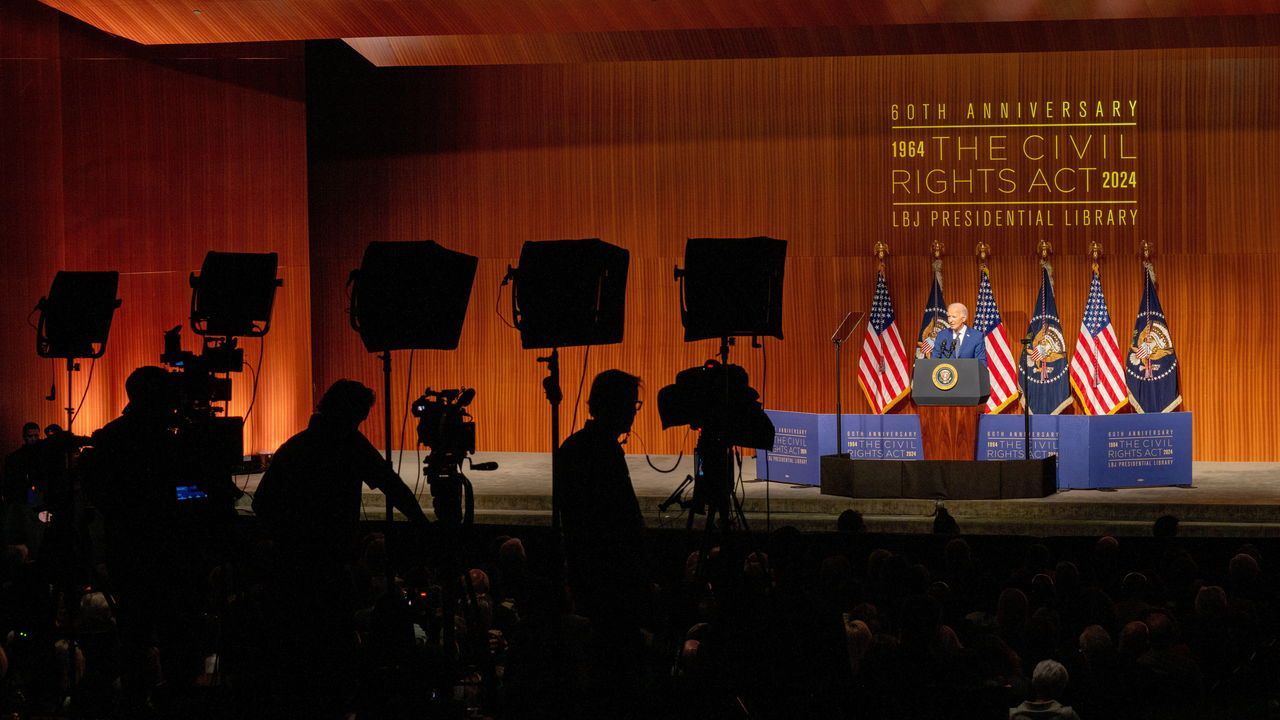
(346, 402)
(150, 391)
(614, 400)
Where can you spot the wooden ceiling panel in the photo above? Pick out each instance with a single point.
(218, 21)
(568, 48)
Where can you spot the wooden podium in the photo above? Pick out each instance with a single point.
(949, 432)
(949, 393)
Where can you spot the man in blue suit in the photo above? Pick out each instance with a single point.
(959, 340)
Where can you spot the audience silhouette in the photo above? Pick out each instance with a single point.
(314, 615)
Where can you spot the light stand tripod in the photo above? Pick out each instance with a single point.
(72, 367)
(389, 575)
(551, 387)
(75, 321)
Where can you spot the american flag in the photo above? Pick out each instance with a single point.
(1000, 363)
(882, 369)
(1097, 370)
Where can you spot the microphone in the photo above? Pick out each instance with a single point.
(481, 467)
(53, 392)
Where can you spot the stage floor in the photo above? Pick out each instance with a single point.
(1226, 499)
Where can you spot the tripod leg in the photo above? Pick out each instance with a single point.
(742, 515)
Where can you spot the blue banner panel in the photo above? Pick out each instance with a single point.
(1152, 449)
(801, 439)
(882, 437)
(1000, 437)
(1073, 451)
(1102, 451)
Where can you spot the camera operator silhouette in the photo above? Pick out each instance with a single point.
(309, 502)
(604, 530)
(309, 498)
(156, 547)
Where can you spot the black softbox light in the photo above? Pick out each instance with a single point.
(732, 287)
(233, 294)
(75, 318)
(411, 296)
(570, 293)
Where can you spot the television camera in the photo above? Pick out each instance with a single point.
(449, 431)
(195, 388)
(717, 400)
(196, 385)
(444, 425)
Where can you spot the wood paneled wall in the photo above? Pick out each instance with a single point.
(31, 218)
(645, 155)
(116, 157)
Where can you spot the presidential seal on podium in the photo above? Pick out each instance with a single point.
(945, 376)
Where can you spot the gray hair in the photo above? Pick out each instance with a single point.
(1049, 679)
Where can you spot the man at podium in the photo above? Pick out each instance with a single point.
(958, 340)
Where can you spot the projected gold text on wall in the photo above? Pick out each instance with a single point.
(1015, 164)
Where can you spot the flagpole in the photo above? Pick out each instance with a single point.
(1044, 247)
(880, 250)
(1146, 303)
(938, 248)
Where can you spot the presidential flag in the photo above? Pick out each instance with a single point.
(1151, 369)
(882, 368)
(1097, 371)
(935, 315)
(1000, 364)
(1044, 361)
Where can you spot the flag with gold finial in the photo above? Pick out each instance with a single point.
(883, 369)
(1000, 365)
(1097, 370)
(1151, 367)
(1044, 362)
